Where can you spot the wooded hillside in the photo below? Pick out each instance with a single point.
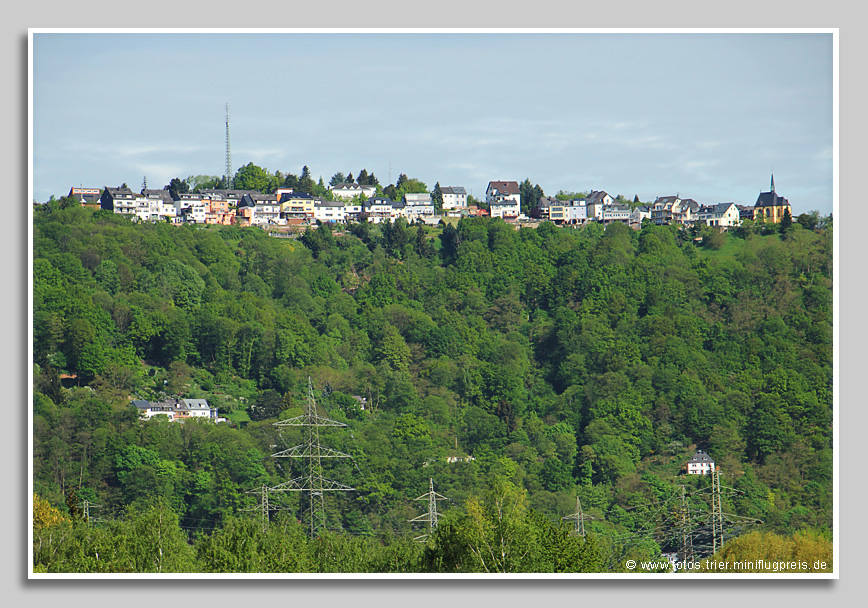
(564, 361)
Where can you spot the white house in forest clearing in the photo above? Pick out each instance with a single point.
(177, 410)
(700, 464)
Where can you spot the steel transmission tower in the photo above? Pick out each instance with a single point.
(262, 507)
(716, 511)
(431, 516)
(579, 530)
(86, 507)
(228, 154)
(686, 530)
(313, 483)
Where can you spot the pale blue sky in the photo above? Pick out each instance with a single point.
(704, 115)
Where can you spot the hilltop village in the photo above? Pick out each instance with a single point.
(347, 202)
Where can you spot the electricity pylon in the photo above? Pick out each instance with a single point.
(262, 507)
(686, 533)
(313, 483)
(431, 516)
(716, 511)
(579, 530)
(86, 507)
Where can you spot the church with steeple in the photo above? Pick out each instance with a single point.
(771, 206)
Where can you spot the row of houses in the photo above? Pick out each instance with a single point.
(357, 202)
(252, 208)
(600, 207)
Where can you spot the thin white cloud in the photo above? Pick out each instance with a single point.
(138, 149)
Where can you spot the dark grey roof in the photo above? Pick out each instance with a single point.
(771, 199)
(665, 199)
(717, 208)
(165, 195)
(120, 192)
(228, 194)
(596, 197)
(378, 200)
(195, 404)
(453, 190)
(285, 196)
(701, 456)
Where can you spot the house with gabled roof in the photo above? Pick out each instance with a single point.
(85, 195)
(381, 209)
(543, 207)
(503, 199)
(265, 208)
(700, 464)
(124, 201)
(745, 212)
(661, 209)
(673, 210)
(192, 207)
(161, 204)
(418, 205)
(454, 197)
(639, 213)
(722, 215)
(684, 211)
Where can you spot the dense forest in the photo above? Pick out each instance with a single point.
(516, 369)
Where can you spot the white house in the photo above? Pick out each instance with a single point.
(722, 214)
(417, 206)
(568, 212)
(161, 205)
(177, 410)
(700, 464)
(639, 213)
(503, 199)
(615, 212)
(454, 197)
(330, 211)
(148, 410)
(193, 208)
(381, 209)
(684, 211)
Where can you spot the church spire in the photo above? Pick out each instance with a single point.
(773, 183)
